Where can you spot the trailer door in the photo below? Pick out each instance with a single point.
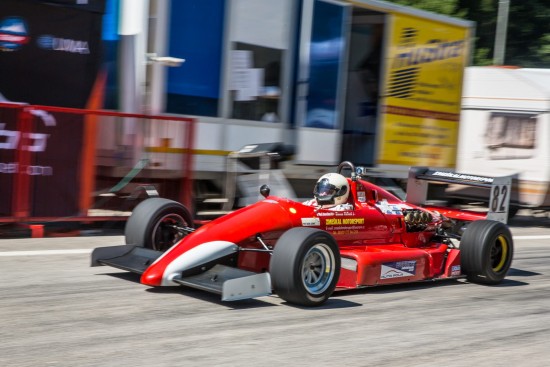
(322, 74)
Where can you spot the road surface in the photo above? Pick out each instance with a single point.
(55, 310)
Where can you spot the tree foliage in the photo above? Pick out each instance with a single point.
(528, 35)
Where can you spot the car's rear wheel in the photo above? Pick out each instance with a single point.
(154, 224)
(486, 251)
(305, 266)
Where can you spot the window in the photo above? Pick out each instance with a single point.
(510, 136)
(255, 82)
(261, 34)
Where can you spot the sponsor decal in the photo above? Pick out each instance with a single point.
(311, 222)
(343, 221)
(335, 213)
(388, 208)
(455, 270)
(361, 196)
(398, 269)
(9, 139)
(14, 167)
(322, 214)
(460, 176)
(411, 54)
(13, 33)
(344, 226)
(33, 142)
(51, 43)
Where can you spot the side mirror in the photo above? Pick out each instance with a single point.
(265, 190)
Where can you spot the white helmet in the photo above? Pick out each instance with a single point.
(331, 189)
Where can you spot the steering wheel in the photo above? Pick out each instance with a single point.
(346, 164)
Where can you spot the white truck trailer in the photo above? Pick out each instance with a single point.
(505, 129)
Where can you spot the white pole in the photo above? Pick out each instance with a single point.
(502, 27)
(131, 28)
(157, 100)
(132, 31)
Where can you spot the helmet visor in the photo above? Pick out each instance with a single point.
(324, 190)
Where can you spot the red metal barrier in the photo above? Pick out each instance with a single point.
(64, 163)
(21, 181)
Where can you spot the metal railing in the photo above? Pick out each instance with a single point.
(66, 163)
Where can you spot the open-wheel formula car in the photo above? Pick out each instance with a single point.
(304, 253)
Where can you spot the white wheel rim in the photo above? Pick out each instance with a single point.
(318, 268)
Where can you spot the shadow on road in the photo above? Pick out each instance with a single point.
(216, 298)
(403, 287)
(211, 297)
(513, 272)
(331, 303)
(334, 302)
(510, 283)
(131, 277)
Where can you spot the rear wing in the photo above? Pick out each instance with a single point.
(500, 188)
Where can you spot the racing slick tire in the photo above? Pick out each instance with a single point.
(305, 266)
(152, 222)
(486, 251)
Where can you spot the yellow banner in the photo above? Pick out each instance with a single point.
(422, 91)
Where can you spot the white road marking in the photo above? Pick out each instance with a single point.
(44, 252)
(541, 237)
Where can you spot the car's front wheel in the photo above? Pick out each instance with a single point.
(305, 266)
(486, 251)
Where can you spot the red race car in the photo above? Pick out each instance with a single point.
(303, 253)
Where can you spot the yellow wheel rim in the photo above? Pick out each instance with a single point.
(500, 252)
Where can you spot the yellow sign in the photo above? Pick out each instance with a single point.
(421, 98)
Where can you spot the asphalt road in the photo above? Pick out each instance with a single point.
(55, 310)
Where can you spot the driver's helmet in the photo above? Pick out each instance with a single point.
(331, 189)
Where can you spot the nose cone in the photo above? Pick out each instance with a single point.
(152, 276)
